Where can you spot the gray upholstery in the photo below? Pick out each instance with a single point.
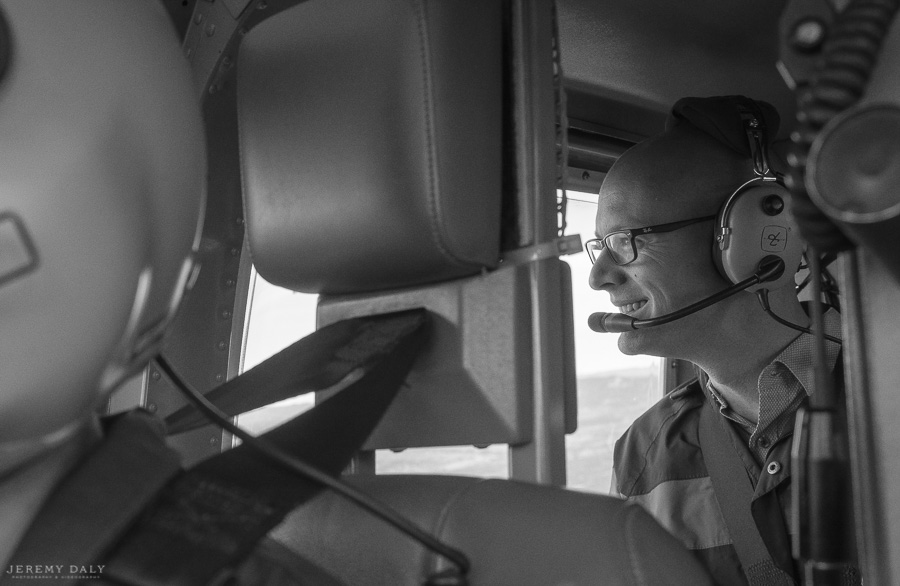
(388, 112)
(514, 534)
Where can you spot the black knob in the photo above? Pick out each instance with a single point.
(772, 205)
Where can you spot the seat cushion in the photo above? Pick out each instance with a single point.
(514, 533)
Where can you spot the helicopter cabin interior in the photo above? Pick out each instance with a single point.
(380, 156)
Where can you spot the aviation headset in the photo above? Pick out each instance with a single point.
(754, 222)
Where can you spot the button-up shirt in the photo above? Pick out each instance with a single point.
(782, 387)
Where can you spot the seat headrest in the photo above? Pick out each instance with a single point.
(371, 143)
(101, 191)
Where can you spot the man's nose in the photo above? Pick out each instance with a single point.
(602, 273)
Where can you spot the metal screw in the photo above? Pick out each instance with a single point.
(808, 35)
(155, 375)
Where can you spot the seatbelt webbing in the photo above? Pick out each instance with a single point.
(212, 516)
(734, 494)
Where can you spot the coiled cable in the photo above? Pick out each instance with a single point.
(848, 58)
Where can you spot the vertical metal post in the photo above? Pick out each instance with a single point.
(543, 460)
(872, 377)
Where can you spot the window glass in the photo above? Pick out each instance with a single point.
(613, 389)
(276, 318)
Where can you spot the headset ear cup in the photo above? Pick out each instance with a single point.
(753, 224)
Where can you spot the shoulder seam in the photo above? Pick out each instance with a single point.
(650, 446)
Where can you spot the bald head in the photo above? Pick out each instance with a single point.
(681, 173)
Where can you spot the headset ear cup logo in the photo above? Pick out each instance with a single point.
(748, 232)
(774, 239)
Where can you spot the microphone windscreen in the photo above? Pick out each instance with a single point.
(610, 323)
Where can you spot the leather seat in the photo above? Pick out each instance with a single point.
(514, 533)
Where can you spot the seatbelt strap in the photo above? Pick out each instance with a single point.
(734, 493)
(98, 501)
(209, 518)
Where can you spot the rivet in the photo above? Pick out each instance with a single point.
(808, 35)
(221, 345)
(151, 407)
(210, 29)
(155, 375)
(773, 468)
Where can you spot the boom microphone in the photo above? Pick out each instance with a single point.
(769, 269)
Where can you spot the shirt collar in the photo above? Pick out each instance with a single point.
(798, 355)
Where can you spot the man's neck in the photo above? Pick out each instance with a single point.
(24, 488)
(734, 357)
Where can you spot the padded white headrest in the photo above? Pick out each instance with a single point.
(103, 165)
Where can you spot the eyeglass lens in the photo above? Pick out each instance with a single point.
(620, 247)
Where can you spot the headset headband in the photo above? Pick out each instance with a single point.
(743, 125)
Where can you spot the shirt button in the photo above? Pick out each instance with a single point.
(763, 442)
(773, 468)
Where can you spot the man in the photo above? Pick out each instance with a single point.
(755, 371)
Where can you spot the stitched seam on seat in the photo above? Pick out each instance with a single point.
(434, 215)
(445, 514)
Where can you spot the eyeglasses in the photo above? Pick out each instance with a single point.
(620, 247)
